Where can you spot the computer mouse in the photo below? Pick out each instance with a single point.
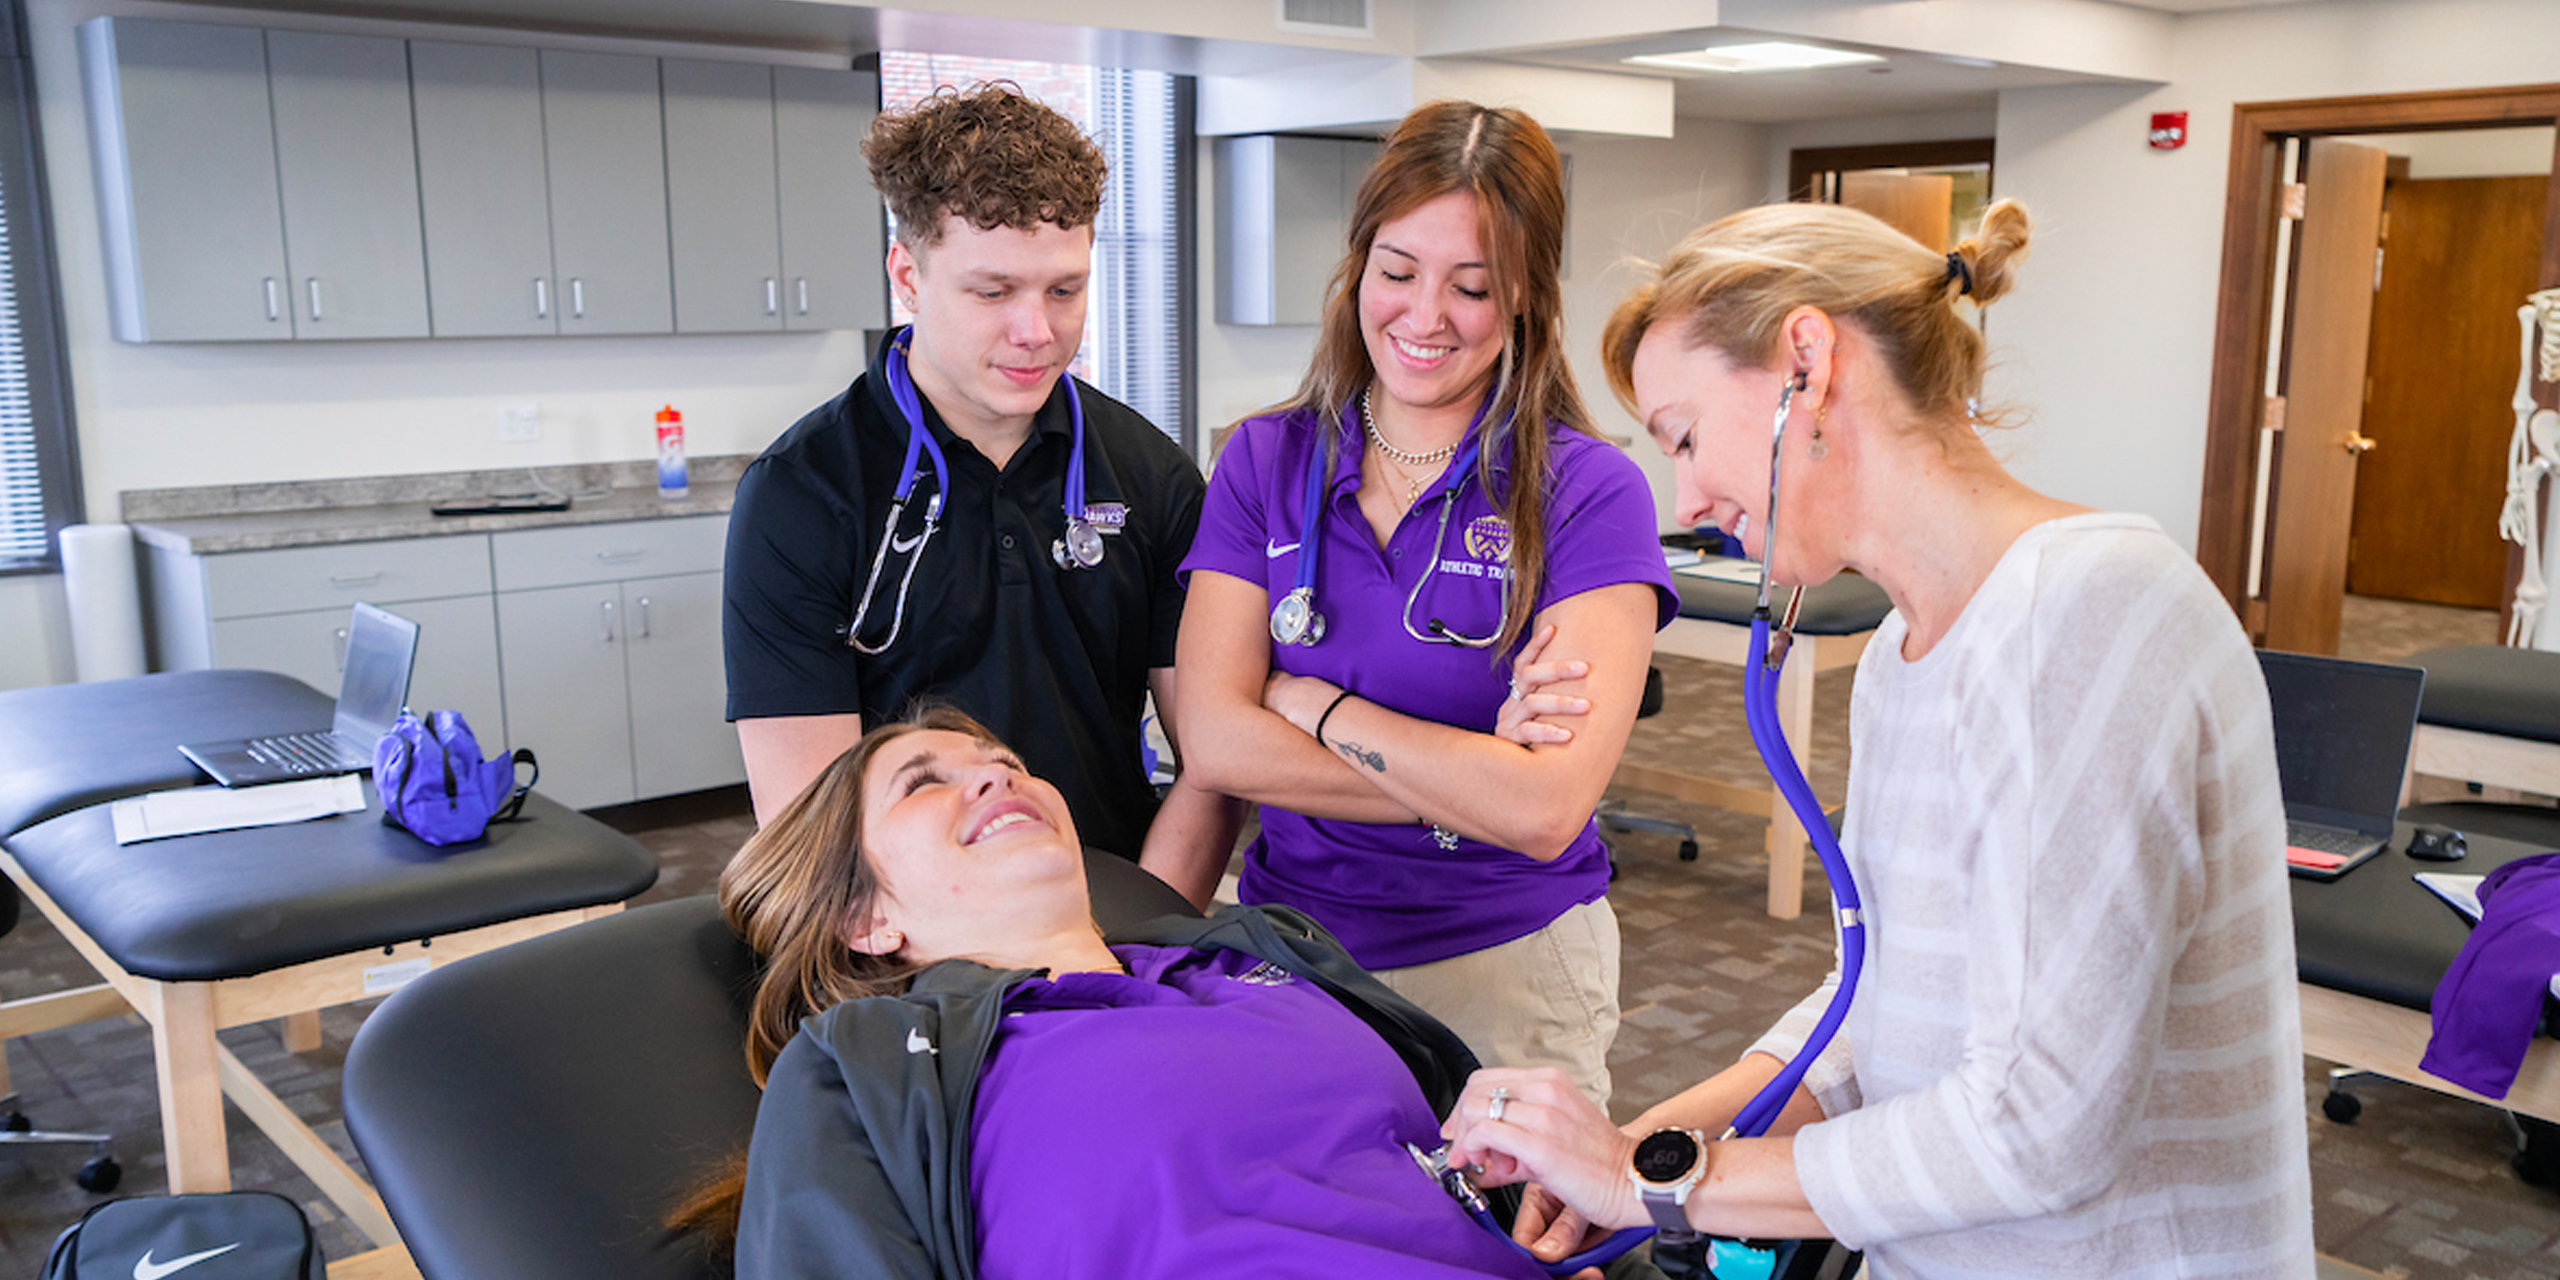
(2431, 843)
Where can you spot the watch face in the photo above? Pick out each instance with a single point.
(1666, 1155)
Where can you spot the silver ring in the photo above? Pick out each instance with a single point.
(1515, 688)
(1495, 1104)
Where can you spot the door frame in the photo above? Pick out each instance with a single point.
(2245, 305)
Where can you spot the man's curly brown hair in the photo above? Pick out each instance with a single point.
(989, 154)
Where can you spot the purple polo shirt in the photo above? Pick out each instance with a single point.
(1390, 894)
(1206, 1114)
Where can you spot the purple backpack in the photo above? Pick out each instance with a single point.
(435, 786)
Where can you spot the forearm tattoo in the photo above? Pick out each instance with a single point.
(1359, 755)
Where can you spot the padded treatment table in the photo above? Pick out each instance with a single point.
(1832, 629)
(534, 1114)
(2372, 944)
(204, 932)
(2490, 714)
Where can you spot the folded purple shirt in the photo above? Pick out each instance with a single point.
(2486, 1007)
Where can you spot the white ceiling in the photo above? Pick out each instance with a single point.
(1234, 37)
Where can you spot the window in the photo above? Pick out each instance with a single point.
(39, 479)
(1137, 336)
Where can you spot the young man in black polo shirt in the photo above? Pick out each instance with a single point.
(995, 197)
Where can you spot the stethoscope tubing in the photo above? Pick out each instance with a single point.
(1302, 595)
(920, 443)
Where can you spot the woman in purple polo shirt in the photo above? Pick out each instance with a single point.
(962, 1078)
(1374, 554)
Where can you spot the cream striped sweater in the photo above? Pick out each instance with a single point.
(2076, 1050)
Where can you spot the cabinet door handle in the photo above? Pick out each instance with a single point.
(644, 617)
(803, 285)
(341, 634)
(275, 305)
(608, 622)
(541, 298)
(577, 298)
(772, 296)
(355, 579)
(615, 556)
(312, 285)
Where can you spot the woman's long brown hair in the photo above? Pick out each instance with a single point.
(1507, 164)
(793, 892)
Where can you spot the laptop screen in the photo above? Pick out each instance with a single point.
(380, 648)
(2342, 737)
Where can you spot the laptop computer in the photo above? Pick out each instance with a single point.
(381, 648)
(2342, 747)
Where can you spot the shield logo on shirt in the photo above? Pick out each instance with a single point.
(1489, 539)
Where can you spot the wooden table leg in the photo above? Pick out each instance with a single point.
(1785, 841)
(184, 1051)
(300, 1031)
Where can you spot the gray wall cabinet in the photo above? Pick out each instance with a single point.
(261, 185)
(1284, 213)
(834, 238)
(722, 199)
(486, 192)
(182, 144)
(608, 193)
(347, 164)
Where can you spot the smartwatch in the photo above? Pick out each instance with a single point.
(1668, 1164)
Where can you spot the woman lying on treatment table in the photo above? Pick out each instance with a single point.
(987, 1088)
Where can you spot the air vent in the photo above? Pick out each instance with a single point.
(1325, 17)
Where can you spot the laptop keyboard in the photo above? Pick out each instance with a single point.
(302, 753)
(2328, 839)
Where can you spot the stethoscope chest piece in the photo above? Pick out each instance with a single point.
(1080, 548)
(1295, 621)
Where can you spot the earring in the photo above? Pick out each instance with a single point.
(892, 940)
(1818, 449)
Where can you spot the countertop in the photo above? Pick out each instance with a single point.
(221, 518)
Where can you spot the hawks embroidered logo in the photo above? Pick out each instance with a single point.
(1489, 539)
(1267, 974)
(1107, 517)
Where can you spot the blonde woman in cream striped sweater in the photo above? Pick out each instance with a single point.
(2075, 1050)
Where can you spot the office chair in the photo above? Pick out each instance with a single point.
(100, 1172)
(532, 1113)
(1614, 815)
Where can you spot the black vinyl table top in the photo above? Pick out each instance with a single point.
(1844, 606)
(227, 904)
(2375, 932)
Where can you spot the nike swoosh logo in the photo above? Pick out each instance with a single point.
(146, 1269)
(1274, 550)
(916, 1043)
(905, 545)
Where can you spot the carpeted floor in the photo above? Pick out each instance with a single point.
(2419, 1186)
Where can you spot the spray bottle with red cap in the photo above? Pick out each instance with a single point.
(671, 472)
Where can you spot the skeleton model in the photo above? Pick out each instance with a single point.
(2533, 452)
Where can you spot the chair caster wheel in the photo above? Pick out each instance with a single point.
(2342, 1107)
(17, 1122)
(1688, 851)
(100, 1174)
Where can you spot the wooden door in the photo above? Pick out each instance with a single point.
(2330, 329)
(2458, 255)
(1916, 204)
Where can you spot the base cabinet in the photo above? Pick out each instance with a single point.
(616, 683)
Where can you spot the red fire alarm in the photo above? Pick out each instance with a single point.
(2168, 130)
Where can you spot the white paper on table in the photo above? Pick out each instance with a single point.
(1723, 569)
(195, 810)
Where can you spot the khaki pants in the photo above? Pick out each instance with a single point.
(1547, 1000)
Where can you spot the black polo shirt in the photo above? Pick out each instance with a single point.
(1054, 660)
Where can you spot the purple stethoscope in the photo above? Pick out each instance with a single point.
(1079, 548)
(1760, 708)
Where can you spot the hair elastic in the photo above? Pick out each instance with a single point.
(1328, 715)
(1959, 269)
